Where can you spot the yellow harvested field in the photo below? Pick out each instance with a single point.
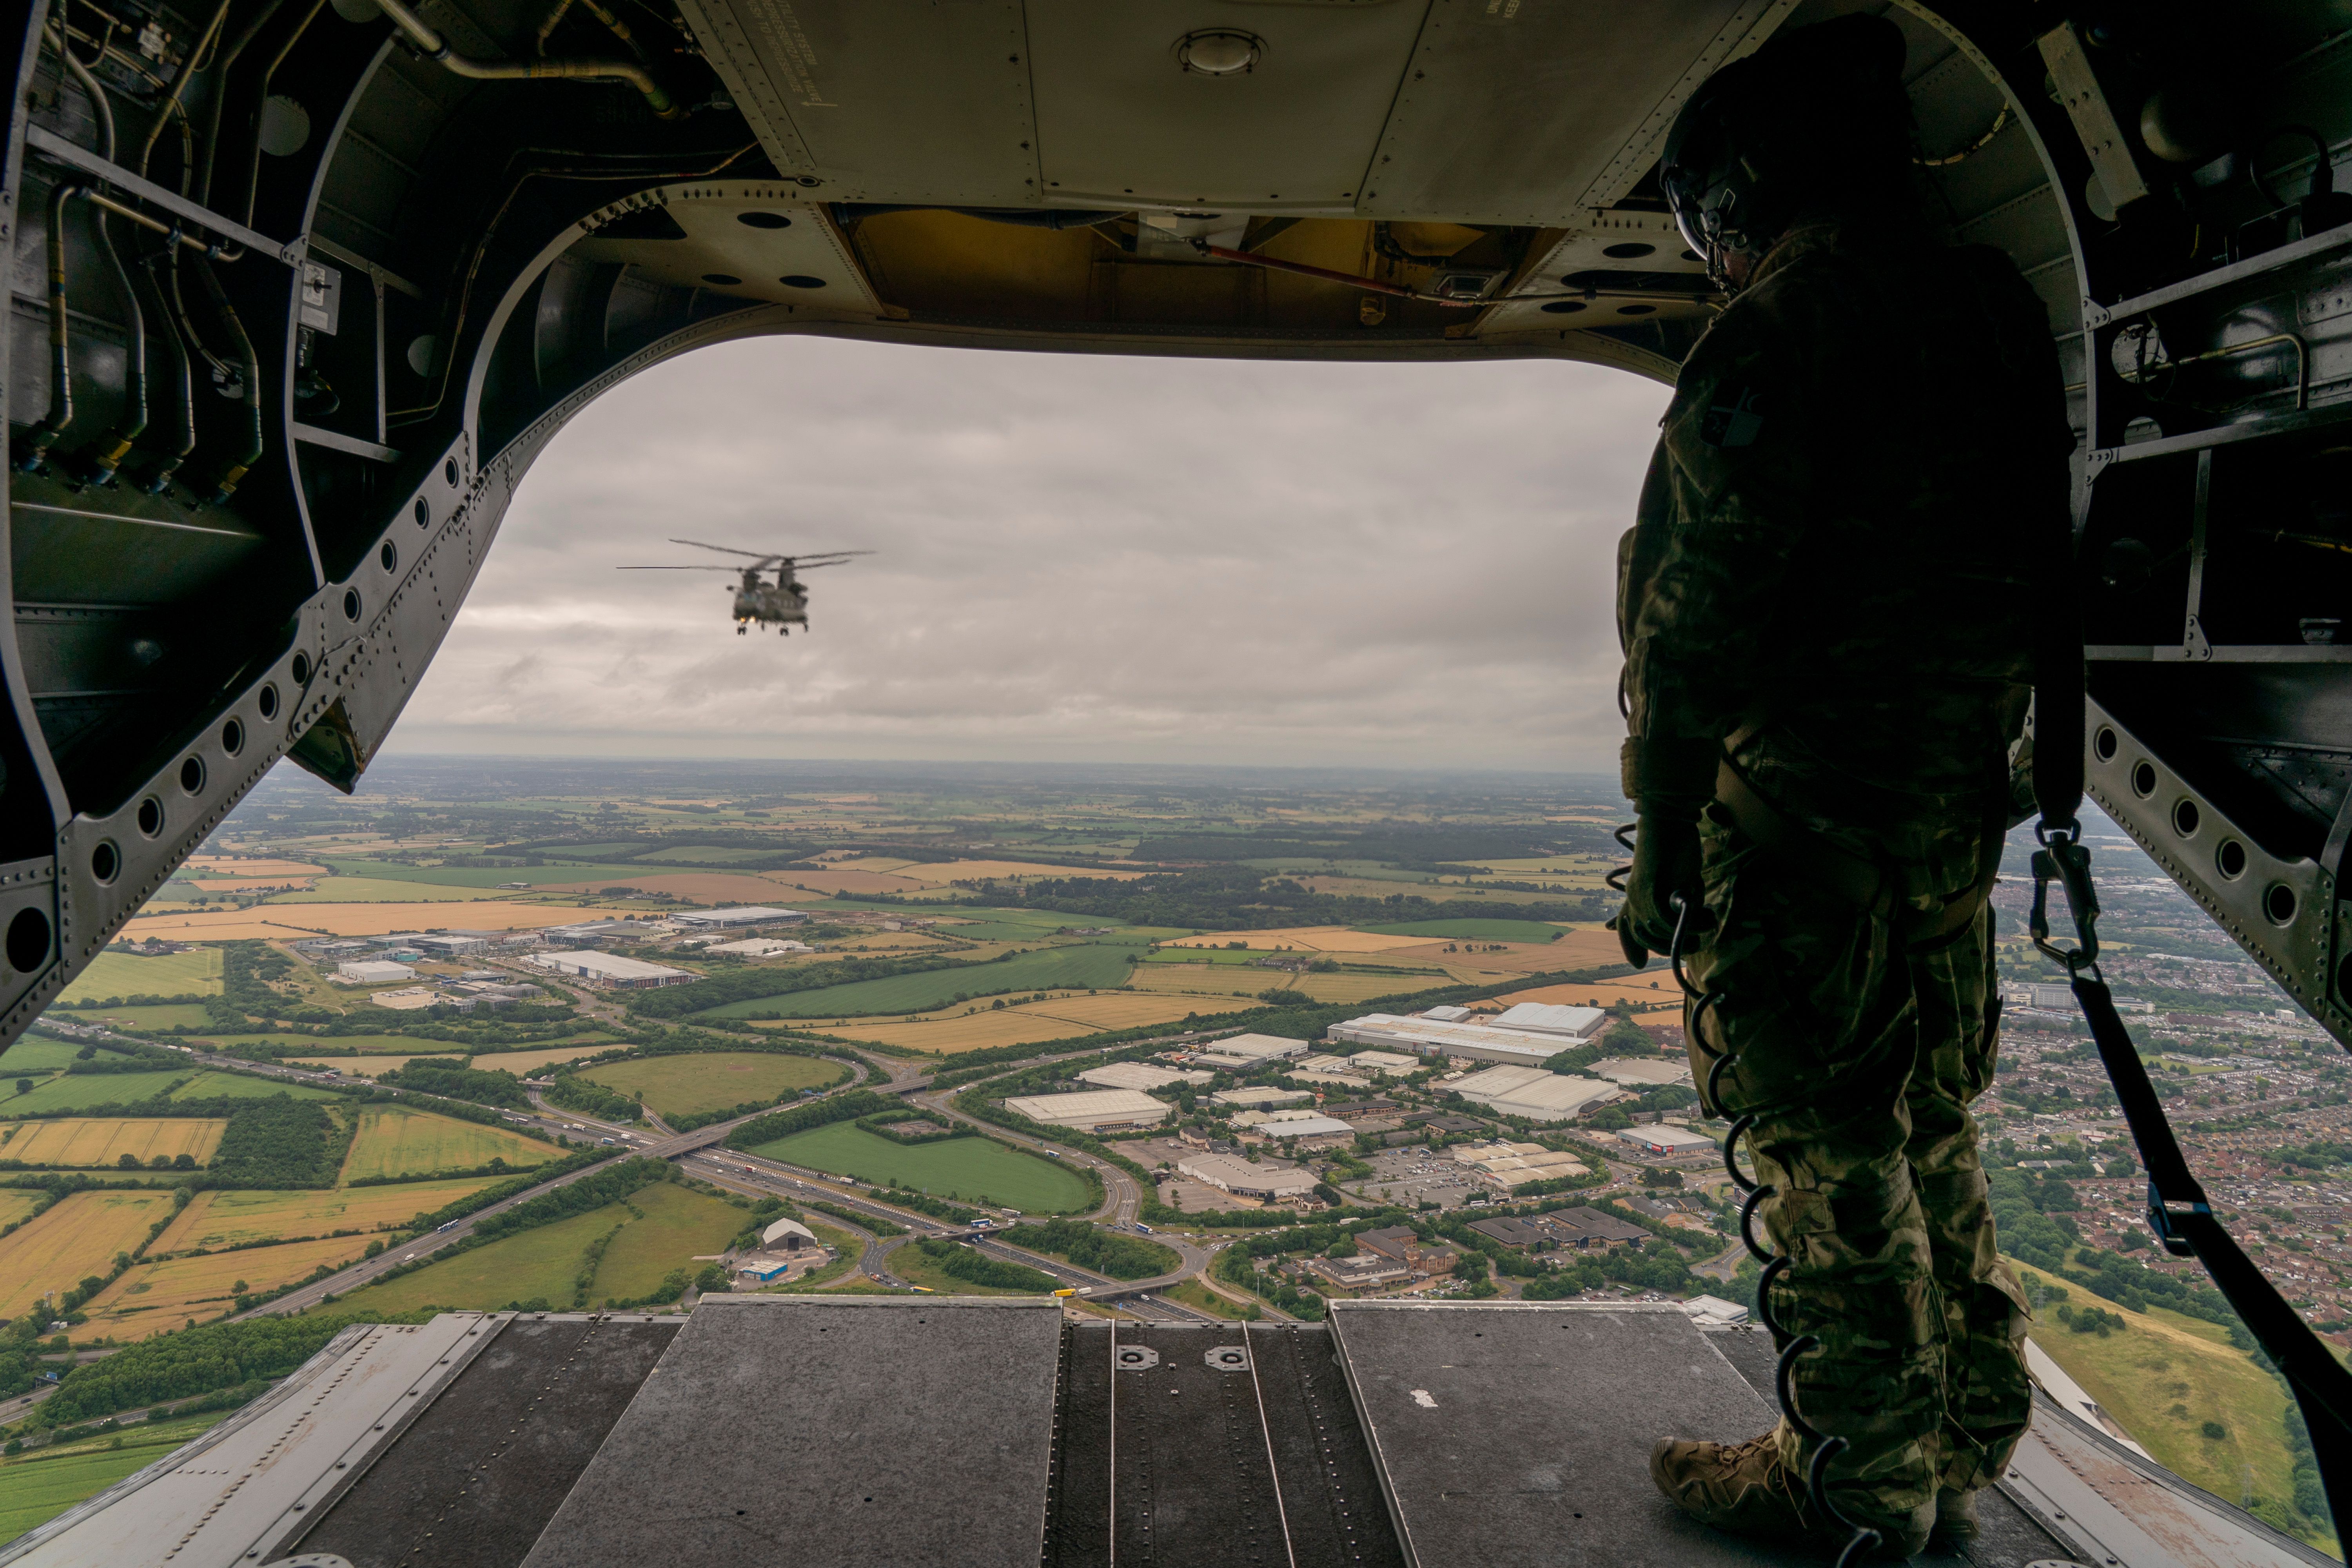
(703, 887)
(93, 1140)
(76, 1239)
(522, 1064)
(156, 1297)
(1238, 980)
(1306, 938)
(16, 1205)
(854, 884)
(392, 1141)
(296, 923)
(1640, 993)
(1066, 1018)
(215, 1220)
(235, 865)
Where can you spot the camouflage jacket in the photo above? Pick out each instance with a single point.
(1859, 488)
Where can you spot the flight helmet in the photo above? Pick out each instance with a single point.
(1815, 120)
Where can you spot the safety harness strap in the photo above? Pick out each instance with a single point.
(2177, 1209)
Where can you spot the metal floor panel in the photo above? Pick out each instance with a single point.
(476, 1477)
(1204, 1445)
(823, 1432)
(1518, 1436)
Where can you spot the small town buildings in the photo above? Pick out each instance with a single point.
(1466, 1042)
(1666, 1139)
(1715, 1312)
(1267, 1184)
(1310, 1125)
(610, 971)
(1446, 1124)
(737, 916)
(451, 946)
(372, 972)
(1639, 1073)
(1398, 1244)
(1259, 1097)
(789, 1235)
(1092, 1110)
(1241, 1053)
(1576, 1227)
(759, 947)
(1365, 1271)
(1140, 1075)
(1509, 1165)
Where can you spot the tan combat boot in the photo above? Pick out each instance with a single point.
(1955, 1523)
(1742, 1488)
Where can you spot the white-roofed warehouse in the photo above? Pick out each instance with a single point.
(1092, 1110)
(1534, 1092)
(1139, 1075)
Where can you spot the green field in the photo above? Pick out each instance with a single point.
(1472, 930)
(487, 877)
(965, 1168)
(679, 1225)
(1086, 966)
(1192, 1293)
(2161, 1377)
(32, 1053)
(909, 1264)
(242, 1086)
(392, 1141)
(165, 1016)
(541, 1264)
(35, 1488)
(711, 1080)
(111, 973)
(655, 1230)
(381, 890)
(71, 1091)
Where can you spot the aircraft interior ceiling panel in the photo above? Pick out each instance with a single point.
(1511, 113)
(749, 239)
(888, 100)
(1122, 119)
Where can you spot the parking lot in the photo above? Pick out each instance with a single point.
(1413, 1177)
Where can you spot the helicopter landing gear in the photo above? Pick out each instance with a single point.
(741, 630)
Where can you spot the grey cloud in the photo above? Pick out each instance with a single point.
(1081, 556)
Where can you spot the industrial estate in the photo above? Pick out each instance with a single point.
(1156, 1051)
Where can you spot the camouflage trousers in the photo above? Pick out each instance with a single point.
(1858, 1060)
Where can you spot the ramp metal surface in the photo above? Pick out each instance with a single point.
(1517, 1436)
(476, 1477)
(793, 1429)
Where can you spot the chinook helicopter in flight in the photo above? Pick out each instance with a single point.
(783, 604)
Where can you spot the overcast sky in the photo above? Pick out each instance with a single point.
(1081, 557)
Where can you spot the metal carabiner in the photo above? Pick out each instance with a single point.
(2067, 862)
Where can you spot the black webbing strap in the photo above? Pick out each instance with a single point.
(2177, 1209)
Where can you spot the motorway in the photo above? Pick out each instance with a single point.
(755, 1175)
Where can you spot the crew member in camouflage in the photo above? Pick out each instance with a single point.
(1825, 606)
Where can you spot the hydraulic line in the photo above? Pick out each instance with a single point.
(436, 47)
(224, 484)
(52, 425)
(261, 98)
(134, 363)
(171, 105)
(203, 191)
(158, 482)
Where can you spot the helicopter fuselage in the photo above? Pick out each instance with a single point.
(780, 605)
